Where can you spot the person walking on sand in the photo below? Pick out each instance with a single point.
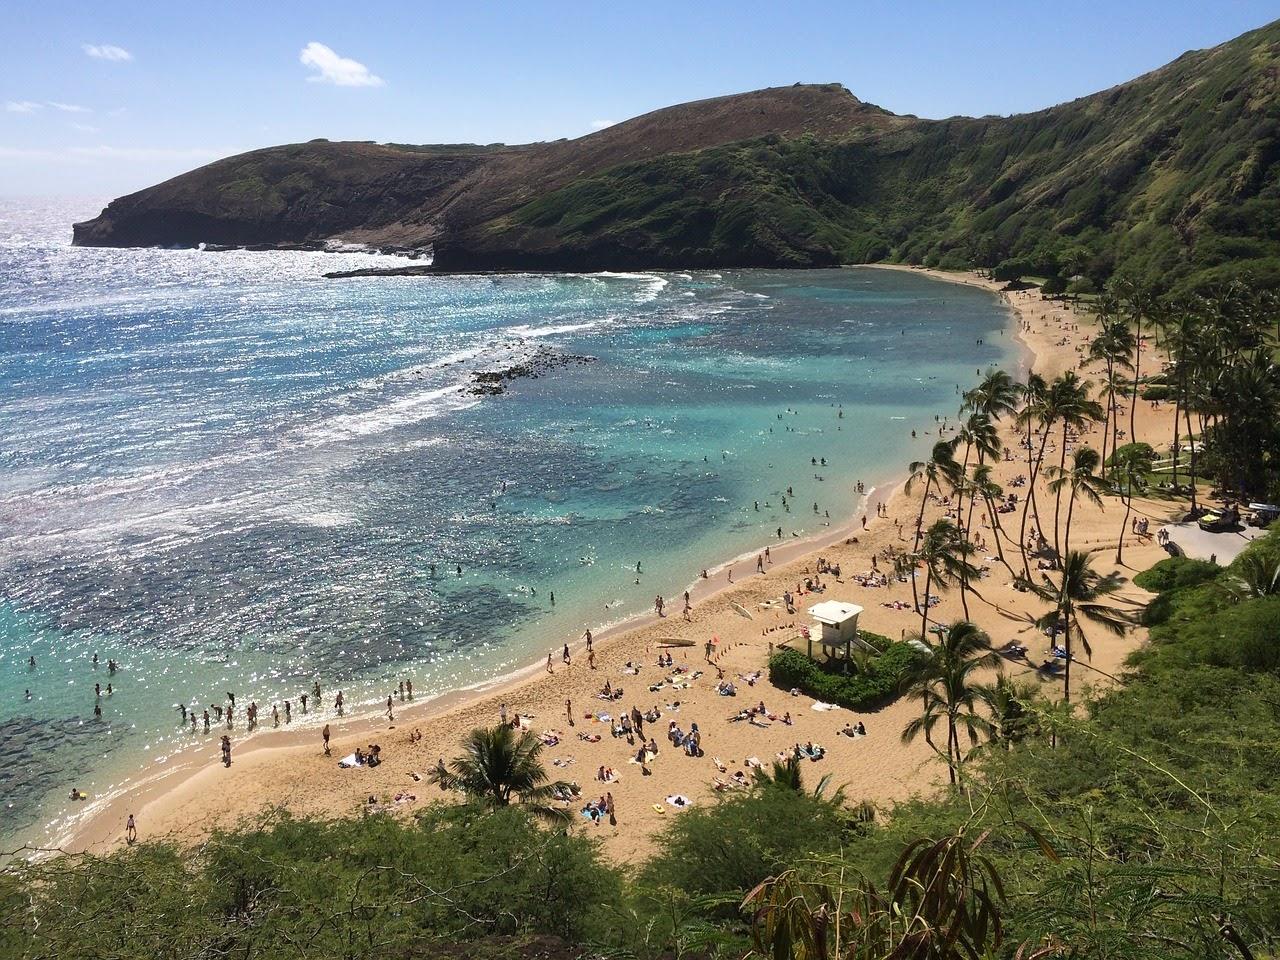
(390, 716)
(502, 714)
(568, 659)
(226, 750)
(550, 668)
(591, 659)
(658, 604)
(610, 809)
(759, 563)
(325, 734)
(130, 831)
(568, 710)
(587, 636)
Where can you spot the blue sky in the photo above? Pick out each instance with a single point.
(107, 97)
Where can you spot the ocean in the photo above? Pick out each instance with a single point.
(227, 473)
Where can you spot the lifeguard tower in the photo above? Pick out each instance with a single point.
(835, 626)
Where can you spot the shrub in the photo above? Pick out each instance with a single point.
(1174, 572)
(1124, 450)
(879, 681)
(732, 845)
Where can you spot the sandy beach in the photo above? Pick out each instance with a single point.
(286, 768)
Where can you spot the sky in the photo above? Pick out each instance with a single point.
(100, 99)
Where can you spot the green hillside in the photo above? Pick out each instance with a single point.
(1171, 177)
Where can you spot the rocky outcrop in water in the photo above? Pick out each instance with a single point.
(490, 383)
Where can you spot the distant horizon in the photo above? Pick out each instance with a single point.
(104, 103)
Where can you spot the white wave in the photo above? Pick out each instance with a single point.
(527, 332)
(398, 413)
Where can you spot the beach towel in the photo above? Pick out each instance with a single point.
(348, 761)
(819, 705)
(679, 801)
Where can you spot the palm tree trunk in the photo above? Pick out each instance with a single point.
(1191, 442)
(1066, 673)
(1030, 505)
(997, 529)
(1066, 534)
(953, 751)
(1137, 378)
(1057, 499)
(924, 608)
(915, 593)
(1127, 496)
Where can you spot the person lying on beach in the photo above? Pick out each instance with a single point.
(589, 737)
(726, 689)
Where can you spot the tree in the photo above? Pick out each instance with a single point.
(1070, 405)
(945, 553)
(1131, 466)
(1035, 410)
(942, 901)
(1081, 480)
(940, 468)
(1054, 287)
(787, 775)
(945, 682)
(1078, 592)
(498, 764)
(1008, 700)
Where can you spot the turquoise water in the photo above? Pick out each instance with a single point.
(229, 474)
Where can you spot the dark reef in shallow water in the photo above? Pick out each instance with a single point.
(488, 383)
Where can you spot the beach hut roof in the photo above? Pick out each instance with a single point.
(834, 612)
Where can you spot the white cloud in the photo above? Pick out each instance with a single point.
(331, 68)
(106, 51)
(84, 127)
(601, 124)
(21, 106)
(68, 107)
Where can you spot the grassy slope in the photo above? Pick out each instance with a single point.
(1172, 176)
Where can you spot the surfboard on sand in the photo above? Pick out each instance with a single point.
(674, 642)
(739, 608)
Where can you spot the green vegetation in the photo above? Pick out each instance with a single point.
(871, 681)
(1170, 180)
(1145, 828)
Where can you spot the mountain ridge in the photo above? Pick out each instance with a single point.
(1171, 175)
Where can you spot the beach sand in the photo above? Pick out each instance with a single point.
(195, 793)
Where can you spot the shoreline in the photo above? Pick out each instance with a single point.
(160, 798)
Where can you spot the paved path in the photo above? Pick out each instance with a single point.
(1199, 545)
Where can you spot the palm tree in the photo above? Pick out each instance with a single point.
(1255, 576)
(787, 776)
(1073, 409)
(982, 484)
(1129, 475)
(498, 764)
(1140, 304)
(1113, 346)
(1078, 592)
(945, 552)
(941, 467)
(1008, 702)
(946, 684)
(1036, 409)
(1081, 479)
